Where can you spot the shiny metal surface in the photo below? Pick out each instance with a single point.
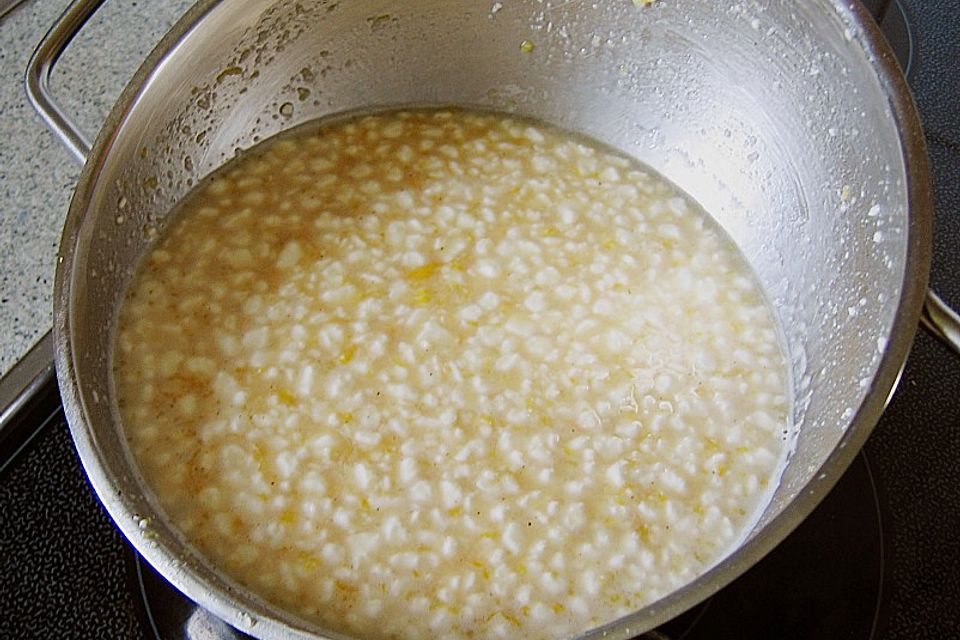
(41, 65)
(942, 321)
(17, 390)
(789, 122)
(6, 6)
(36, 368)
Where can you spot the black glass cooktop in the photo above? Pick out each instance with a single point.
(879, 559)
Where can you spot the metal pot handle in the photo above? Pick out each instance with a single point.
(41, 65)
(20, 386)
(941, 321)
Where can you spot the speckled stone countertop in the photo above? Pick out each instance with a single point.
(37, 175)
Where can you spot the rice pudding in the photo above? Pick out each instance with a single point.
(451, 374)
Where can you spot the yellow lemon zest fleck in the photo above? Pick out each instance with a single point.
(285, 397)
(422, 296)
(425, 272)
(347, 354)
(345, 586)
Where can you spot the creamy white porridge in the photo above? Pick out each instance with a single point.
(451, 374)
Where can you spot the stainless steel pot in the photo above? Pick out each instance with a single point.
(788, 120)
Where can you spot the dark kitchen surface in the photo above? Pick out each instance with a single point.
(916, 446)
(879, 559)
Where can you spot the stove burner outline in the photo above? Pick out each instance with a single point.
(725, 615)
(895, 25)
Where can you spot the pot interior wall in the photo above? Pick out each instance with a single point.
(768, 115)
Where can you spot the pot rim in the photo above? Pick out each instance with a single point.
(880, 59)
